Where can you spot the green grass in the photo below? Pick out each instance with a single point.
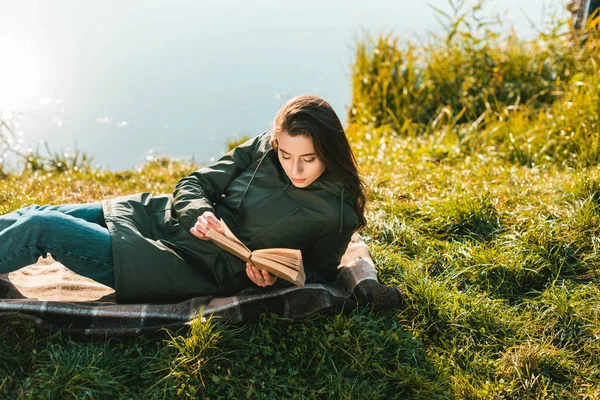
(481, 158)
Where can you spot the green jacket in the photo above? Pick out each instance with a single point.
(157, 259)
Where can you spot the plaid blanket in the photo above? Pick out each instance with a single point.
(56, 298)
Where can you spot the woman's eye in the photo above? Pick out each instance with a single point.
(284, 157)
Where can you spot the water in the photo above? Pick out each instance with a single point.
(122, 81)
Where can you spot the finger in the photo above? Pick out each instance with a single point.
(271, 279)
(197, 234)
(266, 275)
(200, 228)
(211, 217)
(251, 274)
(214, 223)
(209, 221)
(259, 278)
(202, 221)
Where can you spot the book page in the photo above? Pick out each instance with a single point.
(287, 253)
(279, 270)
(288, 262)
(227, 232)
(283, 263)
(229, 245)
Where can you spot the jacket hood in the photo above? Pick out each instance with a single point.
(326, 182)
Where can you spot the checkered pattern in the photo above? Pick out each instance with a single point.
(54, 297)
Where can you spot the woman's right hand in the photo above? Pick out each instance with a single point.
(206, 221)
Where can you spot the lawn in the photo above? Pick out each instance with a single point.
(481, 155)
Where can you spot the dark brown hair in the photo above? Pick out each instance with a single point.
(313, 117)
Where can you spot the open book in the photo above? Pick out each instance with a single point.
(283, 263)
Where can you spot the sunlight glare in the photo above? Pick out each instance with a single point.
(19, 74)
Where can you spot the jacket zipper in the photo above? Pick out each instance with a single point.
(275, 224)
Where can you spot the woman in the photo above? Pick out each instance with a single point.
(295, 187)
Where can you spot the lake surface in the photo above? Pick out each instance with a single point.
(126, 80)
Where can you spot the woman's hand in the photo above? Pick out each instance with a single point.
(261, 278)
(205, 222)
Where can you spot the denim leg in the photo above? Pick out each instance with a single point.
(91, 212)
(7, 220)
(82, 246)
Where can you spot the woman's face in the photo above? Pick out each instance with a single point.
(298, 158)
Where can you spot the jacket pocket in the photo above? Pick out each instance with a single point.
(274, 225)
(177, 230)
(270, 197)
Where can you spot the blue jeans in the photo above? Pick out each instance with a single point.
(75, 234)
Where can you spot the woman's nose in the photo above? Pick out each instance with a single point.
(296, 167)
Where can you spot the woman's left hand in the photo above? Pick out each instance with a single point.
(261, 278)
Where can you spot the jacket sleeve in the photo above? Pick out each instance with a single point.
(197, 192)
(323, 257)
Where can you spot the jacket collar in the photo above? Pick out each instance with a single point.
(324, 182)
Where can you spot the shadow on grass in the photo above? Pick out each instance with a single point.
(358, 355)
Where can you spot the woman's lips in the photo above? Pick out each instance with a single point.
(298, 180)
